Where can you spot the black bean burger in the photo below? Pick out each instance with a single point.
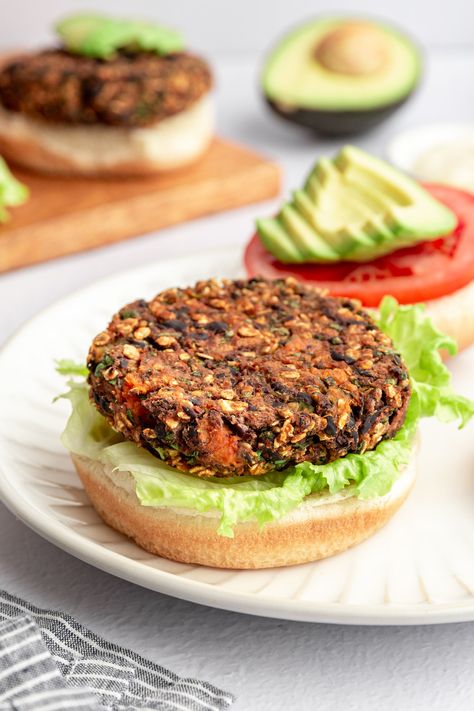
(254, 423)
(129, 106)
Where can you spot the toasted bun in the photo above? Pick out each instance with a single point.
(99, 150)
(454, 315)
(319, 527)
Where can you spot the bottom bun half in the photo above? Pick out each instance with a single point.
(98, 150)
(454, 315)
(317, 528)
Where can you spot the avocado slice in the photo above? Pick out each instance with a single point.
(98, 36)
(311, 245)
(353, 221)
(291, 239)
(93, 35)
(354, 207)
(338, 236)
(413, 211)
(277, 241)
(340, 76)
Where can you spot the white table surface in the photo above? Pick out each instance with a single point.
(269, 664)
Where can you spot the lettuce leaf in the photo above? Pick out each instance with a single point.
(87, 433)
(271, 496)
(12, 192)
(419, 343)
(70, 367)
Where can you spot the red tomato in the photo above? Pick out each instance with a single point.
(420, 273)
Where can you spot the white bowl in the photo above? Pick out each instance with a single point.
(406, 149)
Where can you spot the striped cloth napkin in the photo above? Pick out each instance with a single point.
(49, 662)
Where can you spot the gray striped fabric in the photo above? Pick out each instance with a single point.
(49, 662)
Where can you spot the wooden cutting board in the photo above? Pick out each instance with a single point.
(66, 215)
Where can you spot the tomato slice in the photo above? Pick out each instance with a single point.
(420, 273)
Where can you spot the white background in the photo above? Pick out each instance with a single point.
(269, 664)
(240, 26)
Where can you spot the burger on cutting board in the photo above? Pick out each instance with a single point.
(117, 97)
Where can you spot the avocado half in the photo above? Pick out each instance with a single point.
(340, 76)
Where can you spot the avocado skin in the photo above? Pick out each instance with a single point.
(338, 123)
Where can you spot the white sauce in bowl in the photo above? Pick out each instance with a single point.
(451, 162)
(438, 153)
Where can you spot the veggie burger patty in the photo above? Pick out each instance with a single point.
(241, 377)
(128, 90)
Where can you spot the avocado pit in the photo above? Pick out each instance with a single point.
(356, 49)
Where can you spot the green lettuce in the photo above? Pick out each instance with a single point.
(419, 342)
(271, 496)
(70, 367)
(12, 192)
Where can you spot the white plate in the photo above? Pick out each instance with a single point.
(418, 569)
